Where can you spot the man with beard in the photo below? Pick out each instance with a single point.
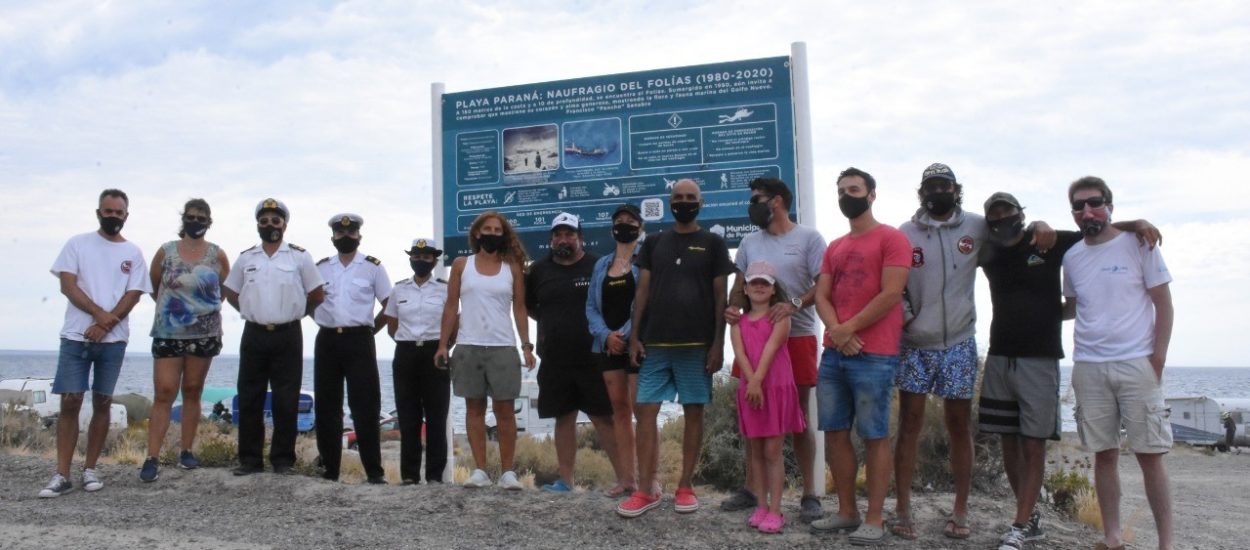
(680, 305)
(1119, 293)
(103, 275)
(345, 350)
(568, 380)
(272, 286)
(857, 296)
(796, 251)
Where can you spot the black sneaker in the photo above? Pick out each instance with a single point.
(284, 470)
(248, 470)
(150, 471)
(187, 461)
(1033, 529)
(742, 499)
(377, 480)
(57, 487)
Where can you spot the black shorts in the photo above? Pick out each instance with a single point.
(567, 387)
(615, 362)
(163, 348)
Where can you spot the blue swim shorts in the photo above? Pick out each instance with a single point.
(855, 388)
(78, 359)
(675, 373)
(949, 373)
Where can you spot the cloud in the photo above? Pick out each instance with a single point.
(326, 105)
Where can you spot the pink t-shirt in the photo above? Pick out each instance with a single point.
(855, 262)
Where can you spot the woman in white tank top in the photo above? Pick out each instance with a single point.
(481, 292)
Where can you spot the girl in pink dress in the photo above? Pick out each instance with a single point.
(768, 401)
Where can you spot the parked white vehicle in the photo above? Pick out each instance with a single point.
(35, 394)
(526, 409)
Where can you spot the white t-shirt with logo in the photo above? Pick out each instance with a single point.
(1114, 313)
(106, 271)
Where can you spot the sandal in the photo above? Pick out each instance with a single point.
(903, 528)
(957, 528)
(619, 490)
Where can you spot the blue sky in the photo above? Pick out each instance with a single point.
(326, 105)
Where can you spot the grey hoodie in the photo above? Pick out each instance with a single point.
(938, 306)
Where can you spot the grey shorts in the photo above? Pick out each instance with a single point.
(478, 372)
(1020, 395)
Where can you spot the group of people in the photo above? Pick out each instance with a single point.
(620, 334)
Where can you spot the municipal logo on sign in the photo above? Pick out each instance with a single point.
(965, 244)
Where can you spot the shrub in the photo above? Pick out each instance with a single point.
(23, 431)
(1068, 483)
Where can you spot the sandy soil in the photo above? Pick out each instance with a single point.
(210, 508)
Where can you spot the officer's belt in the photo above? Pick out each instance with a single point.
(417, 343)
(272, 327)
(349, 330)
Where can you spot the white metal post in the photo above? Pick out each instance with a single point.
(436, 185)
(805, 189)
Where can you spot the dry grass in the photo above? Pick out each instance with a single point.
(1086, 504)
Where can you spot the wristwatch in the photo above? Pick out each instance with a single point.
(527, 347)
(798, 303)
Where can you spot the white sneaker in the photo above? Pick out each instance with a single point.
(478, 480)
(91, 482)
(57, 487)
(509, 481)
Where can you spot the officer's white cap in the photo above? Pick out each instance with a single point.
(275, 205)
(346, 221)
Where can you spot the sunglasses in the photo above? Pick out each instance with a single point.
(194, 218)
(270, 220)
(760, 198)
(1093, 202)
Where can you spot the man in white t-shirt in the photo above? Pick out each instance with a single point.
(1118, 291)
(103, 275)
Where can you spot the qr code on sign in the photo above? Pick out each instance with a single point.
(652, 209)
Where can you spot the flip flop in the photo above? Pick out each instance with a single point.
(903, 528)
(619, 490)
(957, 528)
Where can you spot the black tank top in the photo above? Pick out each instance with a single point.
(618, 296)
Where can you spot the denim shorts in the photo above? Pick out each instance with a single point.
(678, 373)
(949, 373)
(76, 361)
(855, 388)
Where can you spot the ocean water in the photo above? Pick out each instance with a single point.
(136, 377)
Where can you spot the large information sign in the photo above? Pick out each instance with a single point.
(587, 145)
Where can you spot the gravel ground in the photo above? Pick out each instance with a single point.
(210, 508)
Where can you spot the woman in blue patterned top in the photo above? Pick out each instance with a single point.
(186, 334)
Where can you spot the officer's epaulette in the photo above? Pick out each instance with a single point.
(295, 247)
(404, 280)
(323, 260)
(439, 279)
(254, 247)
(373, 260)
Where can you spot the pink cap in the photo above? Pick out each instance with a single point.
(761, 270)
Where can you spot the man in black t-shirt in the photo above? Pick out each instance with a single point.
(680, 306)
(1020, 385)
(568, 378)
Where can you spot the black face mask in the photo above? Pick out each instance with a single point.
(562, 250)
(1006, 229)
(195, 230)
(853, 207)
(625, 233)
(421, 267)
(684, 212)
(938, 204)
(111, 225)
(761, 214)
(490, 243)
(346, 245)
(269, 234)
(1092, 228)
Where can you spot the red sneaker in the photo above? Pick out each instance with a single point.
(637, 504)
(685, 502)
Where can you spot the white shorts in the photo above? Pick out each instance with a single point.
(1121, 393)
